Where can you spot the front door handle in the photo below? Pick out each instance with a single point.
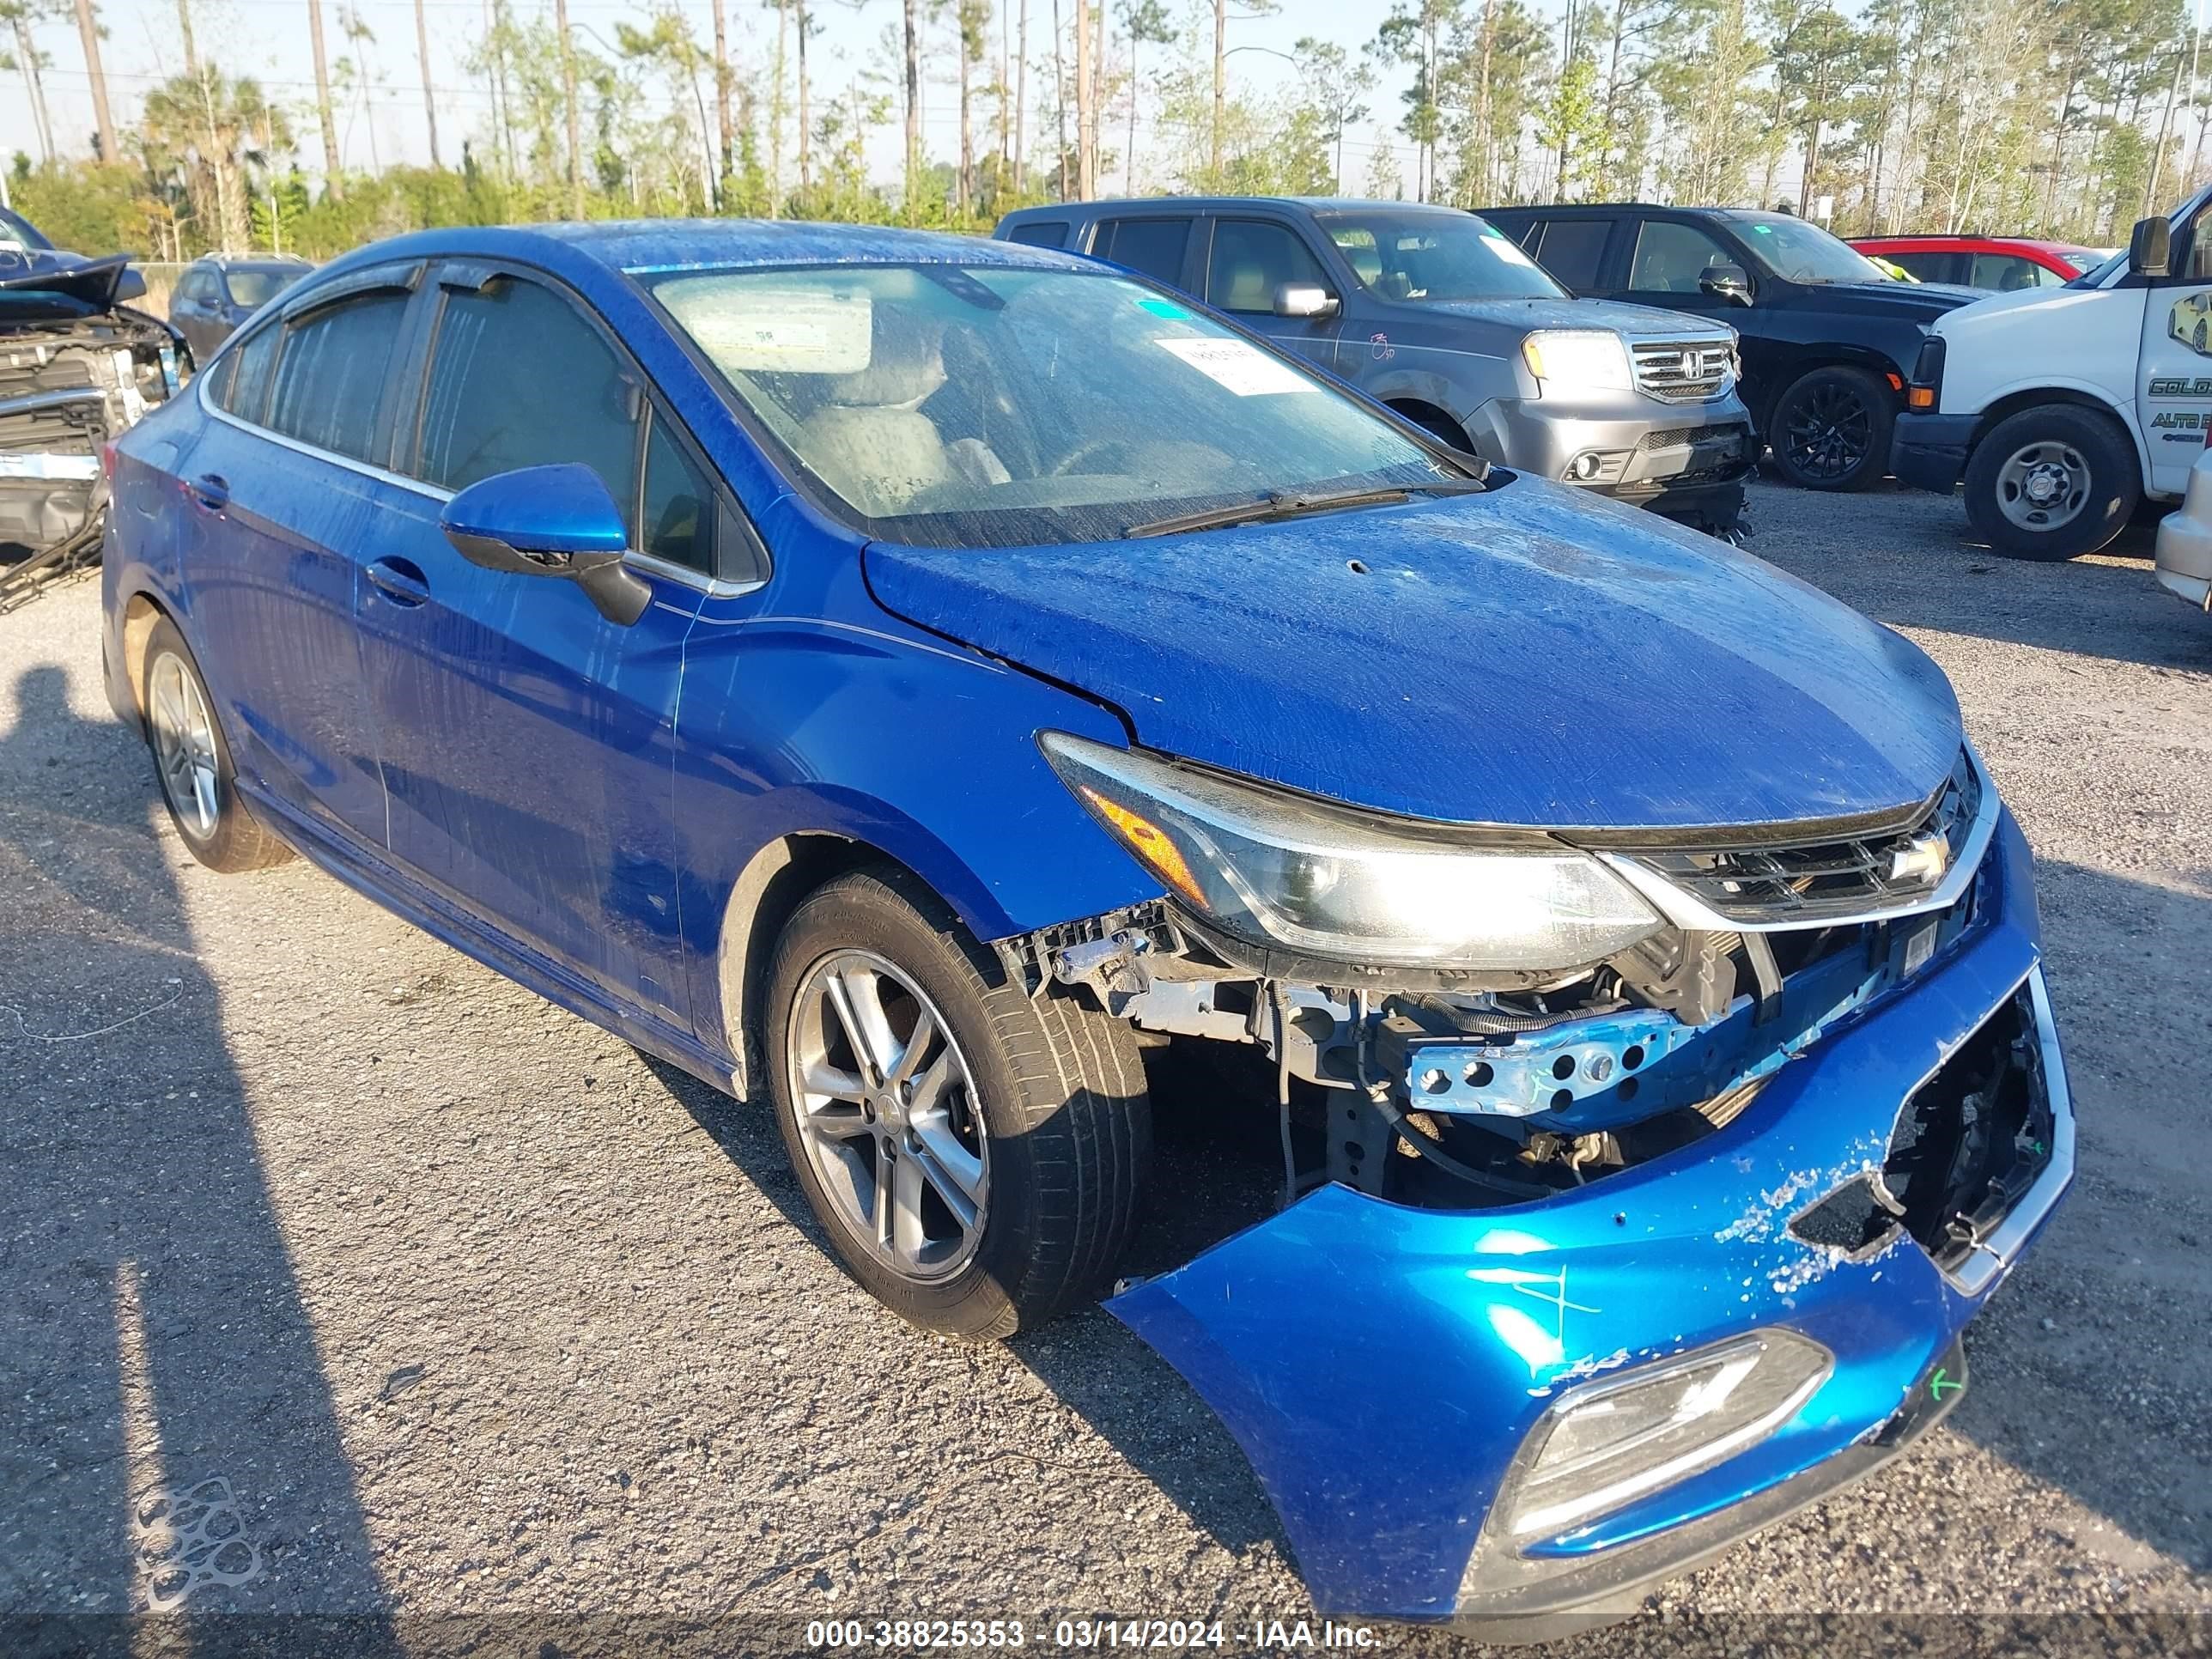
(400, 580)
(211, 490)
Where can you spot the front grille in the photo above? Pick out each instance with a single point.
(1677, 372)
(1811, 882)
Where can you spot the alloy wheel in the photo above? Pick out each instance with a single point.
(1828, 433)
(888, 1113)
(183, 746)
(2042, 487)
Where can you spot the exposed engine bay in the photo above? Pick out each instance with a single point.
(1463, 1090)
(77, 369)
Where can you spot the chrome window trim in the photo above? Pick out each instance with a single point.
(1687, 911)
(713, 587)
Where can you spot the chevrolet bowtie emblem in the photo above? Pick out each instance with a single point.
(1921, 861)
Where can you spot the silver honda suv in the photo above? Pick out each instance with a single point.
(1435, 313)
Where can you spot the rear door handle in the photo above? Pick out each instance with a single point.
(400, 580)
(211, 490)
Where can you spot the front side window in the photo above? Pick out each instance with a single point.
(1438, 256)
(1252, 259)
(1802, 251)
(677, 522)
(519, 379)
(994, 407)
(331, 373)
(1671, 257)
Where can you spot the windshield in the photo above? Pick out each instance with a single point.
(2099, 275)
(16, 229)
(2085, 258)
(987, 406)
(1803, 252)
(1437, 256)
(257, 287)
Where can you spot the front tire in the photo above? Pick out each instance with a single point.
(1832, 429)
(975, 1155)
(2052, 484)
(191, 760)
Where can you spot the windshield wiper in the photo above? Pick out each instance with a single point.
(1290, 503)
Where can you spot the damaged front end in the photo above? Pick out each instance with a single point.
(1580, 1275)
(77, 368)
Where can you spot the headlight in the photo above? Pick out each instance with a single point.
(1607, 1445)
(1302, 875)
(1577, 359)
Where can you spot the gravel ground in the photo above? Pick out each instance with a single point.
(444, 1304)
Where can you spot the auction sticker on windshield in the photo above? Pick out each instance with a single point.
(1244, 369)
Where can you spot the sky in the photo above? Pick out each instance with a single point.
(268, 39)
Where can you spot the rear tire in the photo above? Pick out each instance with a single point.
(191, 762)
(2052, 484)
(989, 1184)
(1831, 429)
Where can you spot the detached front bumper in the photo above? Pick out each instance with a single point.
(1389, 1371)
(1929, 451)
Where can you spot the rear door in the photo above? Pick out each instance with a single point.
(1249, 261)
(526, 741)
(284, 501)
(192, 310)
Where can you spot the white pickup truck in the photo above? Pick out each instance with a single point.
(2062, 409)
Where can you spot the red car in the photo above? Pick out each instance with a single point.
(1999, 262)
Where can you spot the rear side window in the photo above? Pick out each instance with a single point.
(519, 379)
(1571, 250)
(331, 374)
(1253, 258)
(1929, 267)
(1041, 233)
(1155, 246)
(249, 383)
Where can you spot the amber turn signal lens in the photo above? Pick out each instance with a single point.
(1147, 841)
(1921, 397)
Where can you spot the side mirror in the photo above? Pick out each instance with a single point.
(2150, 248)
(131, 285)
(1726, 282)
(1305, 300)
(549, 521)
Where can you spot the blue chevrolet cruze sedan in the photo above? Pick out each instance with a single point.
(907, 680)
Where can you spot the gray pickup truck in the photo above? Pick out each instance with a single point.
(1446, 320)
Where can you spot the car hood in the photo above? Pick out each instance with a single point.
(1643, 321)
(92, 283)
(1923, 300)
(1522, 657)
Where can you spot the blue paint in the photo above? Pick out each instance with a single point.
(1379, 1365)
(574, 803)
(1637, 674)
(553, 509)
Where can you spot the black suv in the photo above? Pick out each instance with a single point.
(1828, 341)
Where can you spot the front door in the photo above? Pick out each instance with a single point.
(526, 741)
(2173, 370)
(1253, 259)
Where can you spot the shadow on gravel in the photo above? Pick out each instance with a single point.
(2088, 1365)
(1207, 1182)
(167, 1437)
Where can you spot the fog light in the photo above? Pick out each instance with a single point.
(1584, 465)
(1607, 1444)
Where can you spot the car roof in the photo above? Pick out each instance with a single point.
(1217, 203)
(607, 248)
(1961, 240)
